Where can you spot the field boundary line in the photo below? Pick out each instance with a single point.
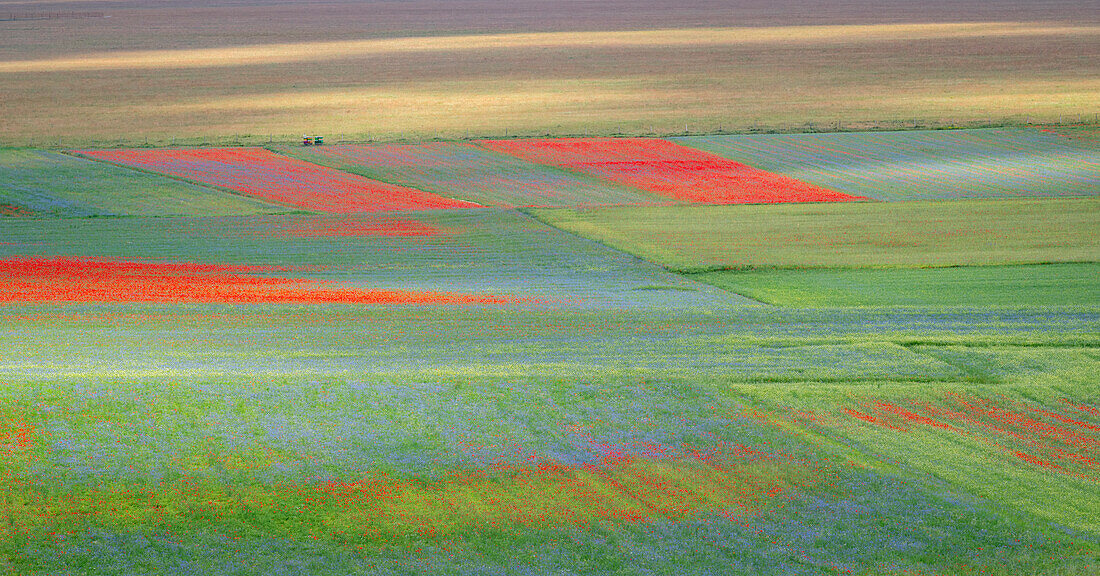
(696, 270)
(767, 268)
(718, 129)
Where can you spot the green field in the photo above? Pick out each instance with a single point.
(44, 183)
(978, 286)
(248, 414)
(869, 234)
(1088, 135)
(981, 459)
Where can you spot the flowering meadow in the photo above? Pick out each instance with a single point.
(393, 370)
(259, 173)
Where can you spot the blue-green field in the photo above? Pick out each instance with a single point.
(926, 165)
(50, 184)
(468, 172)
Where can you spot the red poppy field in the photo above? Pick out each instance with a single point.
(263, 174)
(1062, 440)
(8, 210)
(668, 169)
(81, 280)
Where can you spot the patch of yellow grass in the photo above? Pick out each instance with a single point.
(262, 54)
(573, 103)
(1041, 96)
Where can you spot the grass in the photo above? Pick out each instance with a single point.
(924, 165)
(218, 430)
(989, 449)
(871, 234)
(251, 468)
(1080, 134)
(974, 286)
(50, 184)
(667, 342)
(804, 532)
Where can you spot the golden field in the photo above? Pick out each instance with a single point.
(197, 73)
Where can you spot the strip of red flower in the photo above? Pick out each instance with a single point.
(279, 179)
(666, 168)
(75, 280)
(10, 210)
(1039, 436)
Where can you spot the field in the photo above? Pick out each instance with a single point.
(216, 72)
(288, 182)
(534, 309)
(469, 172)
(923, 165)
(667, 169)
(866, 234)
(377, 440)
(40, 183)
(481, 251)
(978, 286)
